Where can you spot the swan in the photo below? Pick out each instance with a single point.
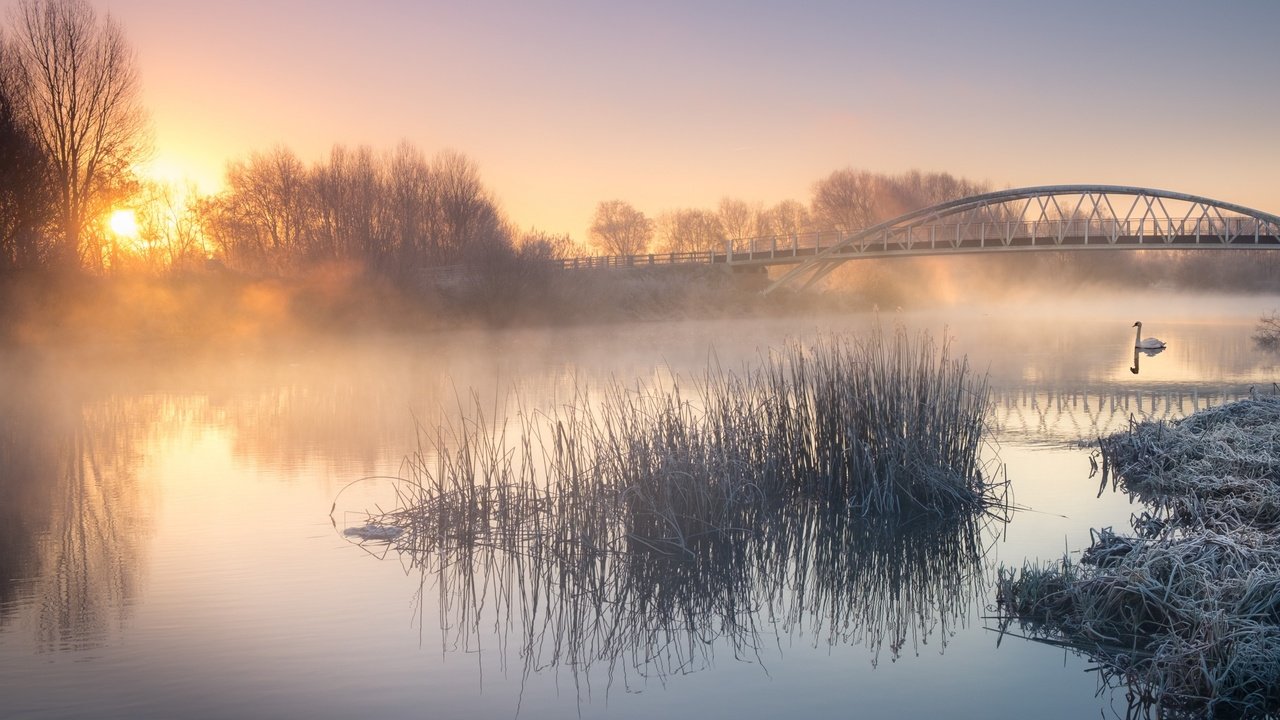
(1148, 343)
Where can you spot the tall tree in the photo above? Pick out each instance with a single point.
(737, 219)
(789, 217)
(348, 204)
(77, 86)
(619, 229)
(467, 218)
(846, 200)
(264, 216)
(411, 218)
(686, 231)
(169, 227)
(25, 204)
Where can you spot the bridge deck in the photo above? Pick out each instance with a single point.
(764, 252)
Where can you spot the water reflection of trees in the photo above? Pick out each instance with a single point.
(635, 612)
(74, 515)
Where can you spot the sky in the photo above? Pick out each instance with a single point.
(677, 104)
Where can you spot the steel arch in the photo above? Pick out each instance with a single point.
(1071, 216)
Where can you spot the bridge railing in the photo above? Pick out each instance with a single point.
(783, 246)
(994, 234)
(641, 260)
(1155, 231)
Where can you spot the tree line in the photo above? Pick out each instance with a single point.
(390, 212)
(846, 200)
(72, 130)
(66, 73)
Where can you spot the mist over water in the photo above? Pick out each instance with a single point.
(166, 543)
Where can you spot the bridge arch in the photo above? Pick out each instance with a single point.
(1049, 217)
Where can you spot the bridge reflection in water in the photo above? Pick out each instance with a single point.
(1067, 414)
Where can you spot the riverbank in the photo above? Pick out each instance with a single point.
(217, 308)
(1186, 611)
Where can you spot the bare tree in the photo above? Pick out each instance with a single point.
(544, 246)
(350, 222)
(687, 231)
(262, 217)
(388, 213)
(77, 85)
(25, 204)
(845, 200)
(619, 229)
(914, 190)
(466, 216)
(410, 216)
(789, 217)
(169, 234)
(737, 219)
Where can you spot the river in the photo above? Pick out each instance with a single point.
(169, 544)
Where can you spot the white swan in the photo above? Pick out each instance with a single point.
(1147, 343)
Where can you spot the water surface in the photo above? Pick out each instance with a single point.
(166, 545)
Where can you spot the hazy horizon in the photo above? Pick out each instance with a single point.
(564, 105)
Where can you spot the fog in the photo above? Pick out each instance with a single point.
(160, 475)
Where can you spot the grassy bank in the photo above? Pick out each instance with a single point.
(1186, 611)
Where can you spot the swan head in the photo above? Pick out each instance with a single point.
(1137, 324)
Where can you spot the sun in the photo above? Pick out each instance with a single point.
(124, 223)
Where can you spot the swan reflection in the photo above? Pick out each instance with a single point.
(1149, 352)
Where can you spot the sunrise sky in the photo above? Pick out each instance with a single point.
(677, 104)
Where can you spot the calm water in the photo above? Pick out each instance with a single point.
(166, 547)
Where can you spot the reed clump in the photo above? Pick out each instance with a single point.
(881, 426)
(1186, 611)
(1267, 333)
(835, 485)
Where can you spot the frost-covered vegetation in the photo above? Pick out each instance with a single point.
(1267, 334)
(1186, 611)
(837, 486)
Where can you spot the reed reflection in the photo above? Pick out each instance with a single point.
(629, 609)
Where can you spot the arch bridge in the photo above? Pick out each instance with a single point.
(1053, 217)
(1044, 218)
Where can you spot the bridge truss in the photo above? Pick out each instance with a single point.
(1053, 217)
